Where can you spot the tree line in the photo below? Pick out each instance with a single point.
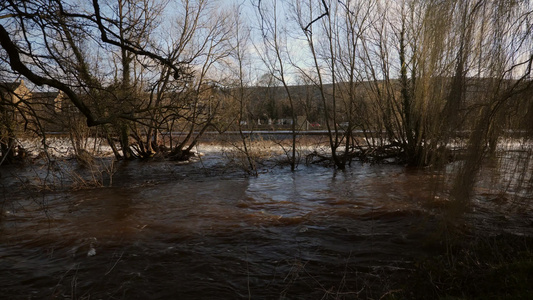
(408, 75)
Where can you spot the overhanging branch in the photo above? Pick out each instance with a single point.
(18, 66)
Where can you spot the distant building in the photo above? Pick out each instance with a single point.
(14, 92)
(25, 110)
(12, 97)
(49, 108)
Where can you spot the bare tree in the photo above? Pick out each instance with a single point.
(240, 63)
(104, 57)
(334, 40)
(276, 58)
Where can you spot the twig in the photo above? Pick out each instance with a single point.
(116, 262)
(6, 154)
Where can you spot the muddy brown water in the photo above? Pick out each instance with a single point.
(202, 231)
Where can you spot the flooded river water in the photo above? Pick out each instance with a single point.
(200, 231)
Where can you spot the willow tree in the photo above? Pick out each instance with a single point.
(404, 74)
(502, 43)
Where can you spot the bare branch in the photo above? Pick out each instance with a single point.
(126, 45)
(326, 13)
(18, 66)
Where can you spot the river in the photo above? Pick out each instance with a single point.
(206, 231)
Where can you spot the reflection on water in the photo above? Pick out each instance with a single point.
(202, 235)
